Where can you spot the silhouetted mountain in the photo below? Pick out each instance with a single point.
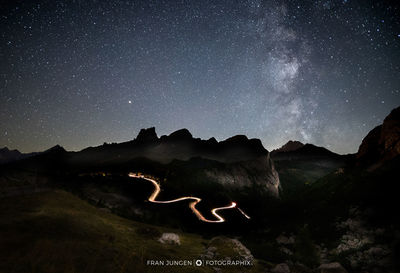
(147, 135)
(299, 165)
(178, 145)
(382, 143)
(288, 147)
(55, 149)
(295, 150)
(7, 155)
(180, 135)
(235, 162)
(49, 161)
(312, 150)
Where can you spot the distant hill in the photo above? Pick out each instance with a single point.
(7, 155)
(294, 150)
(290, 146)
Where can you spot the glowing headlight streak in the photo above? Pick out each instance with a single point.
(192, 205)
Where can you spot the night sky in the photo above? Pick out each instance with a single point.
(80, 73)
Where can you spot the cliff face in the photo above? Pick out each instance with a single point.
(182, 146)
(382, 143)
(259, 172)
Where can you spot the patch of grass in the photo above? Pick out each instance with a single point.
(148, 232)
(57, 232)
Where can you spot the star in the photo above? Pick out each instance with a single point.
(286, 70)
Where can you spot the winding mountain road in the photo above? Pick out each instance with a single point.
(192, 205)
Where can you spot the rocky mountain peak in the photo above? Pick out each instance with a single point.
(390, 134)
(237, 161)
(237, 139)
(7, 155)
(241, 141)
(297, 150)
(382, 143)
(147, 135)
(179, 135)
(212, 141)
(5, 149)
(54, 149)
(291, 145)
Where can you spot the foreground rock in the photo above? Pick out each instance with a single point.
(223, 247)
(281, 268)
(331, 268)
(223, 250)
(170, 238)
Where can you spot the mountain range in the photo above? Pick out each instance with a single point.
(235, 162)
(310, 208)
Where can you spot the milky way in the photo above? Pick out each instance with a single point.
(80, 73)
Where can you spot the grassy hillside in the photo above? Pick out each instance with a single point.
(55, 231)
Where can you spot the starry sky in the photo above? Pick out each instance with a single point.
(80, 73)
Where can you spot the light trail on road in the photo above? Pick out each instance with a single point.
(192, 205)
